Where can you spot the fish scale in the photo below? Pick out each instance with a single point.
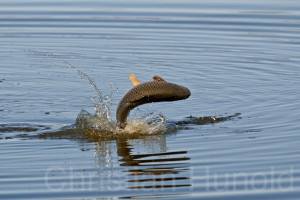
(148, 92)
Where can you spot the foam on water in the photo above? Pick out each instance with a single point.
(142, 126)
(150, 125)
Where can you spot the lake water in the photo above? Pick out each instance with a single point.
(236, 137)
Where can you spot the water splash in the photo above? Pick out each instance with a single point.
(102, 119)
(150, 125)
(141, 126)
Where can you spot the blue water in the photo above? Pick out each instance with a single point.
(240, 61)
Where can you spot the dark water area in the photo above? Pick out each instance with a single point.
(235, 137)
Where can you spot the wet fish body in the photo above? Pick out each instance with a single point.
(148, 92)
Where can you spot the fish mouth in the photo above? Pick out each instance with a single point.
(186, 93)
(181, 93)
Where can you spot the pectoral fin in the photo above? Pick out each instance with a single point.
(135, 81)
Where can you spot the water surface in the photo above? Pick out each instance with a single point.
(236, 137)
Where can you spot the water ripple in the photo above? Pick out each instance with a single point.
(235, 57)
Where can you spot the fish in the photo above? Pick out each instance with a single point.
(158, 90)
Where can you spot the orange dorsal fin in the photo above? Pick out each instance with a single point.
(135, 81)
(157, 78)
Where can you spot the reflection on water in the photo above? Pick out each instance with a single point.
(155, 169)
(145, 162)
